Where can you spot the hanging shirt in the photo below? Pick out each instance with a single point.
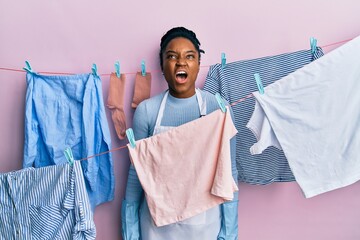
(68, 111)
(48, 203)
(313, 115)
(235, 81)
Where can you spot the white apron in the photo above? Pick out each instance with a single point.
(205, 225)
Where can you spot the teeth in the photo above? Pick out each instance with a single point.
(181, 72)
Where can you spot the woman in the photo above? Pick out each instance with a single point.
(180, 55)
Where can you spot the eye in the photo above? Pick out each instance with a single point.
(170, 56)
(191, 56)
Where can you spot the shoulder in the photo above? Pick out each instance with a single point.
(211, 102)
(210, 99)
(145, 116)
(150, 105)
(207, 95)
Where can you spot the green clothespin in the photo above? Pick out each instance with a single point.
(117, 69)
(143, 68)
(259, 83)
(69, 156)
(130, 137)
(94, 70)
(223, 60)
(220, 101)
(313, 45)
(28, 67)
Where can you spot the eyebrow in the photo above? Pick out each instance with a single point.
(171, 51)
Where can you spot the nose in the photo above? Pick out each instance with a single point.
(181, 61)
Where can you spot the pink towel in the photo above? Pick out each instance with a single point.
(186, 170)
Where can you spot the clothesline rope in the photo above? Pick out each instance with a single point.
(336, 43)
(108, 74)
(241, 99)
(122, 147)
(102, 153)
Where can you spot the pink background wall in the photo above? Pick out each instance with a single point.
(68, 36)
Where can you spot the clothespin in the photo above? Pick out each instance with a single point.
(28, 67)
(220, 101)
(223, 60)
(130, 137)
(143, 68)
(69, 156)
(117, 69)
(259, 83)
(94, 70)
(313, 44)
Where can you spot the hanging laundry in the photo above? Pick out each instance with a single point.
(235, 81)
(314, 114)
(219, 221)
(68, 111)
(205, 171)
(115, 103)
(45, 203)
(141, 89)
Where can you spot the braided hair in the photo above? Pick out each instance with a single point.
(179, 32)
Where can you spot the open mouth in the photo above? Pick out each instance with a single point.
(181, 76)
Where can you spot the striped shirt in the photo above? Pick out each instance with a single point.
(45, 203)
(235, 81)
(314, 115)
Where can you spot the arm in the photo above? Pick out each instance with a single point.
(134, 192)
(229, 210)
(130, 207)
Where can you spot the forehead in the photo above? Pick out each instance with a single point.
(180, 44)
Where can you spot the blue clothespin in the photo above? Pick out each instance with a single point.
(130, 137)
(313, 44)
(223, 60)
(220, 101)
(117, 69)
(259, 83)
(28, 67)
(94, 70)
(143, 68)
(69, 156)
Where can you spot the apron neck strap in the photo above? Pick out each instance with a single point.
(201, 103)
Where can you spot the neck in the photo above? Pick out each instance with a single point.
(187, 94)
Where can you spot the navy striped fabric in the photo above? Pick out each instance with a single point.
(45, 203)
(235, 81)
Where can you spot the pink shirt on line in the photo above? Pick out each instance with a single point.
(186, 170)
